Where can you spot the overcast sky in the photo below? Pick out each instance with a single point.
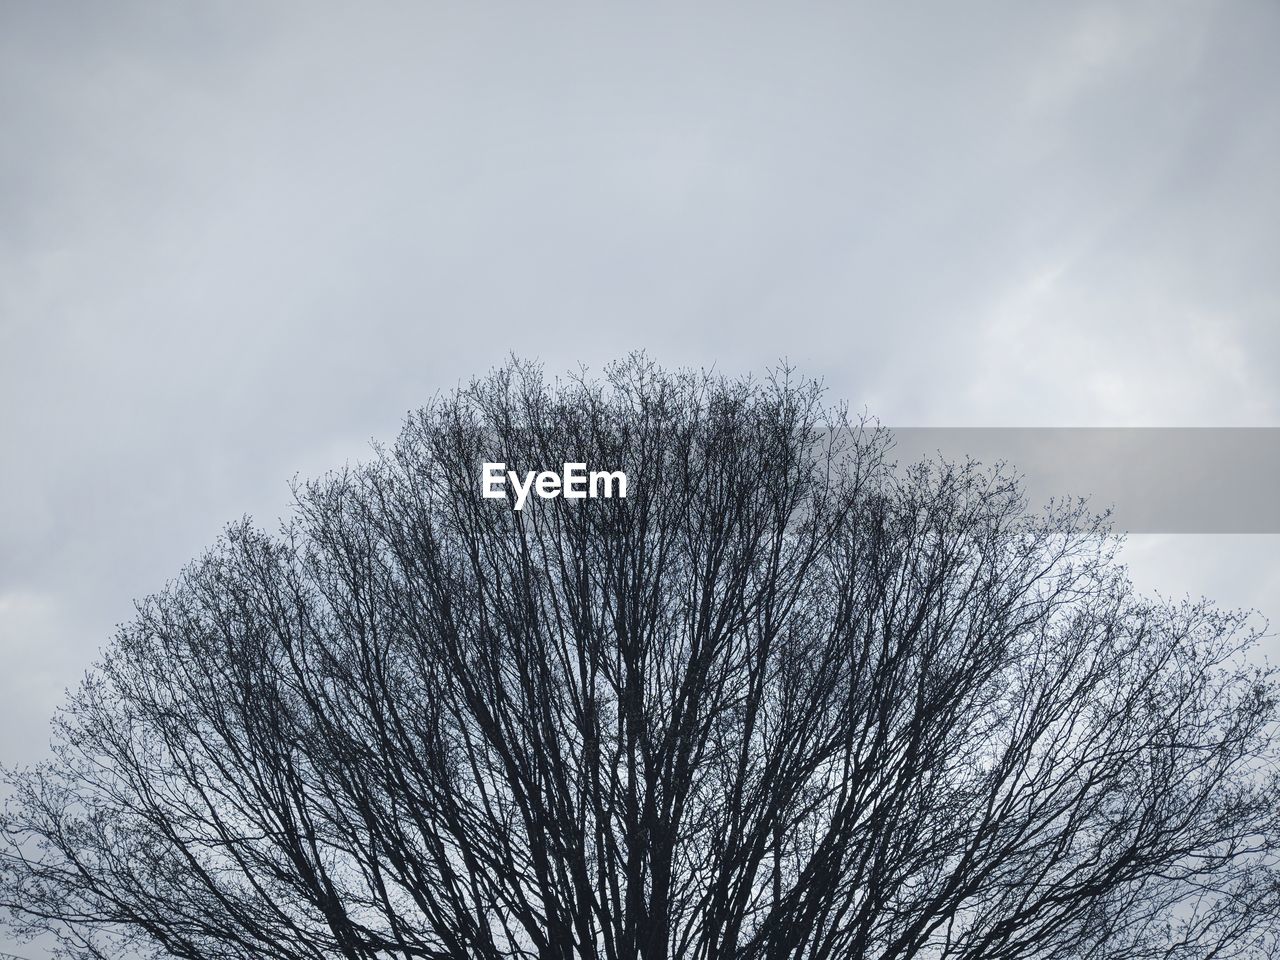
(237, 241)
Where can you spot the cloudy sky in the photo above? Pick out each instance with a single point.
(239, 241)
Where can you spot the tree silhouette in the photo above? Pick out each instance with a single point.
(783, 700)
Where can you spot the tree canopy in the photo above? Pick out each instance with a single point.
(786, 699)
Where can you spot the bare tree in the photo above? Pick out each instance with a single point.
(783, 700)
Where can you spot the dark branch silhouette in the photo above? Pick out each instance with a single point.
(783, 700)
